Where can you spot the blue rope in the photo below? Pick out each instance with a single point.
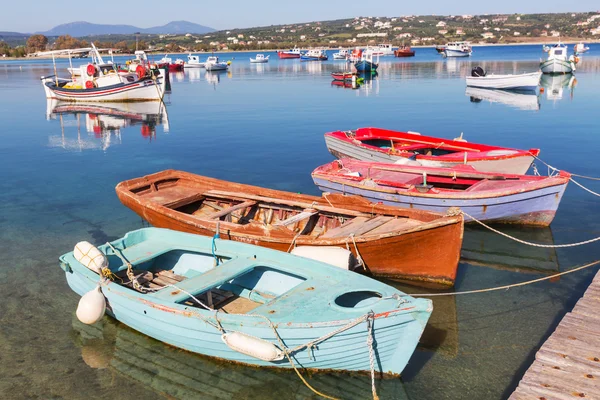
(214, 247)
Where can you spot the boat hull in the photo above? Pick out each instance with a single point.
(537, 207)
(556, 66)
(405, 256)
(456, 53)
(404, 53)
(284, 55)
(397, 325)
(508, 164)
(365, 66)
(145, 90)
(511, 82)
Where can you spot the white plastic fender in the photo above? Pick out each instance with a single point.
(252, 346)
(91, 306)
(89, 255)
(336, 256)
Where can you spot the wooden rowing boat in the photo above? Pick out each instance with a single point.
(247, 304)
(382, 145)
(500, 198)
(410, 245)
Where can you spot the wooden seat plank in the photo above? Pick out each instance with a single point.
(231, 209)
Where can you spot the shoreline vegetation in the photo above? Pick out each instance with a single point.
(416, 31)
(567, 41)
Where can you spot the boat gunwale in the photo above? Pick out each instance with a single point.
(125, 189)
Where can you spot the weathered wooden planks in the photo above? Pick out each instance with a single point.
(567, 366)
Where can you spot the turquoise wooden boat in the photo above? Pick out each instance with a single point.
(260, 306)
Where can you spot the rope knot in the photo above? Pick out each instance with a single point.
(453, 211)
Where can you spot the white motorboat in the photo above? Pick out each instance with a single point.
(580, 48)
(342, 54)
(101, 81)
(527, 81)
(524, 100)
(558, 62)
(213, 64)
(458, 49)
(383, 49)
(193, 62)
(260, 58)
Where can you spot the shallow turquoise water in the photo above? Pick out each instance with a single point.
(264, 125)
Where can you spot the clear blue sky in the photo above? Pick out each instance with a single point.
(40, 15)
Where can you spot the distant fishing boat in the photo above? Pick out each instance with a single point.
(440, 49)
(366, 63)
(246, 304)
(259, 59)
(193, 62)
(383, 237)
(382, 145)
(457, 49)
(101, 83)
(527, 81)
(213, 64)
(342, 54)
(314, 55)
(404, 51)
(580, 48)
(168, 63)
(291, 53)
(558, 62)
(343, 76)
(491, 197)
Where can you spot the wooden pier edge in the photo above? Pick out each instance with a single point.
(567, 366)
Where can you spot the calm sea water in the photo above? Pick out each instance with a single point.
(264, 125)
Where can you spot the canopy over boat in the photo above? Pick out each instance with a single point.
(246, 304)
(382, 145)
(382, 236)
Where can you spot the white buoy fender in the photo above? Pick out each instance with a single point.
(336, 256)
(91, 306)
(252, 346)
(89, 255)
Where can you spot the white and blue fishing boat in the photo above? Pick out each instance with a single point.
(366, 62)
(558, 61)
(260, 59)
(245, 303)
(485, 196)
(314, 55)
(213, 64)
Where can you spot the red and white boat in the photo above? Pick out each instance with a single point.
(343, 76)
(104, 82)
(410, 148)
(168, 64)
(404, 51)
(291, 53)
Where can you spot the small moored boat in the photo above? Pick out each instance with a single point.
(457, 49)
(104, 82)
(580, 48)
(343, 76)
(342, 54)
(213, 64)
(168, 63)
(244, 303)
(558, 61)
(404, 51)
(366, 62)
(493, 197)
(382, 145)
(527, 81)
(260, 58)
(291, 53)
(193, 62)
(314, 55)
(384, 237)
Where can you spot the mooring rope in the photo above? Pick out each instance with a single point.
(572, 174)
(546, 246)
(506, 287)
(584, 188)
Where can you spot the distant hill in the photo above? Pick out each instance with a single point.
(11, 34)
(82, 28)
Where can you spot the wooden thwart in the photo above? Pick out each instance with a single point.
(231, 209)
(568, 364)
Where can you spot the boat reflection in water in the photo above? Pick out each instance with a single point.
(554, 85)
(524, 100)
(214, 77)
(482, 247)
(104, 121)
(177, 374)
